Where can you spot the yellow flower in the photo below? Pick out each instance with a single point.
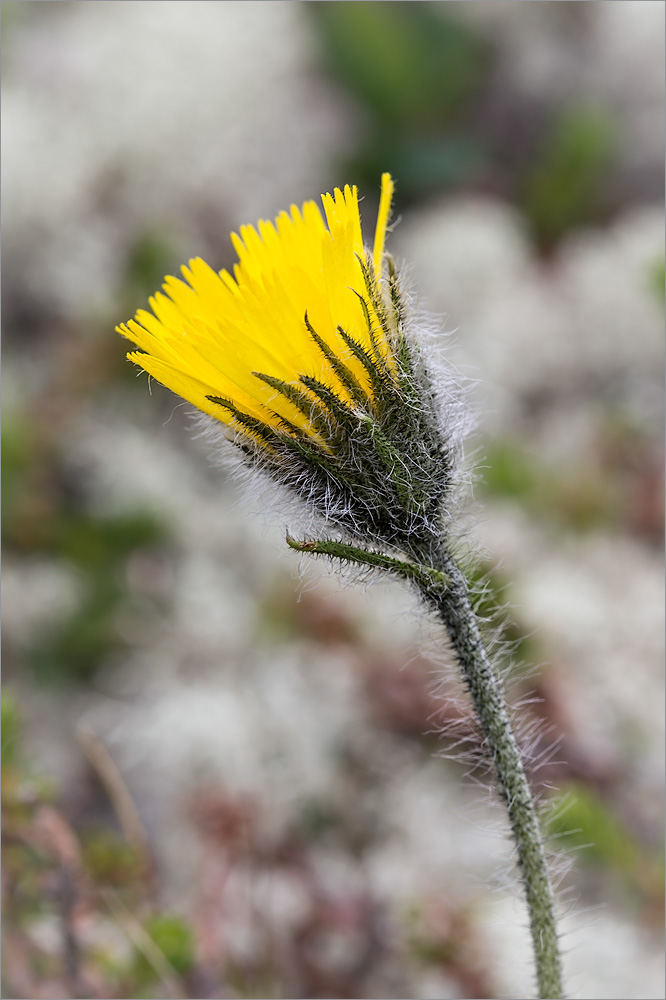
(304, 302)
(305, 355)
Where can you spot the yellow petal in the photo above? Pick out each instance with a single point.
(209, 331)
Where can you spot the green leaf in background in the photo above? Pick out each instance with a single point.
(576, 498)
(657, 278)
(584, 822)
(564, 187)
(149, 257)
(424, 164)
(406, 62)
(10, 728)
(414, 70)
(174, 939)
(109, 860)
(46, 514)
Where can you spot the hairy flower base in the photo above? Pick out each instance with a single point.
(374, 462)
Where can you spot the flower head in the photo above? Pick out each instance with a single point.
(304, 355)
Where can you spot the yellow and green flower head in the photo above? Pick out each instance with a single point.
(304, 353)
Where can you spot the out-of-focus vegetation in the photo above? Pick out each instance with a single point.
(415, 73)
(45, 515)
(658, 278)
(564, 186)
(618, 485)
(83, 916)
(427, 88)
(79, 919)
(588, 825)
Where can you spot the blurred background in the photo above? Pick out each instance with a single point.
(221, 777)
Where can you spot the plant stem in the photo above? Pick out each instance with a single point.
(454, 607)
(443, 586)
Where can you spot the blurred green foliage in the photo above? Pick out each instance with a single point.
(425, 82)
(575, 498)
(657, 279)
(24, 862)
(149, 257)
(411, 64)
(414, 70)
(109, 860)
(9, 727)
(564, 187)
(442, 933)
(88, 885)
(174, 938)
(12, 13)
(20, 787)
(586, 823)
(618, 485)
(45, 513)
(508, 471)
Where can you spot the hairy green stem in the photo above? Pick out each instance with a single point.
(444, 587)
(455, 610)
